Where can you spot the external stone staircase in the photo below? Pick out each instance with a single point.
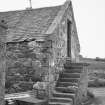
(68, 89)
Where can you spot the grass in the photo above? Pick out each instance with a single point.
(91, 99)
(96, 83)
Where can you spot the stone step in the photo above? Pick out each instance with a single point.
(62, 100)
(70, 75)
(73, 70)
(59, 103)
(65, 90)
(69, 65)
(65, 84)
(64, 95)
(73, 80)
(75, 64)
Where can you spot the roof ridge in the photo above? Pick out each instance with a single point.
(30, 9)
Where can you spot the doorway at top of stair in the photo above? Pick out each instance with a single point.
(69, 24)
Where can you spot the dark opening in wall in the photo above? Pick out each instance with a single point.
(3, 24)
(69, 38)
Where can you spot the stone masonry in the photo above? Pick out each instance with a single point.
(39, 43)
(3, 28)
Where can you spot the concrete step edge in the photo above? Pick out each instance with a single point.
(59, 98)
(58, 103)
(56, 92)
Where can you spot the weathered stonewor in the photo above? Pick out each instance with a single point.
(3, 28)
(39, 43)
(27, 60)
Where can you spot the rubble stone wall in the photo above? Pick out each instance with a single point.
(59, 45)
(26, 61)
(2, 62)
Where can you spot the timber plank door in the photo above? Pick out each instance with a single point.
(69, 39)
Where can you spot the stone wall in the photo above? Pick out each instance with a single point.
(59, 46)
(83, 84)
(60, 37)
(75, 45)
(2, 61)
(26, 62)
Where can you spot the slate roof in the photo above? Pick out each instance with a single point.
(24, 24)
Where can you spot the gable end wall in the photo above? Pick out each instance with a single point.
(60, 38)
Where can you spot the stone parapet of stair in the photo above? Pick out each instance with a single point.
(82, 84)
(71, 85)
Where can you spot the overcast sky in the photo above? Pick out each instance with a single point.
(89, 16)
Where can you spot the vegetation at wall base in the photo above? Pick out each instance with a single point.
(96, 83)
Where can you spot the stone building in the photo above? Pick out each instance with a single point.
(39, 43)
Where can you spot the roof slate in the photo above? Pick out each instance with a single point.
(24, 24)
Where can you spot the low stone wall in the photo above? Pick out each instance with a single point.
(83, 86)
